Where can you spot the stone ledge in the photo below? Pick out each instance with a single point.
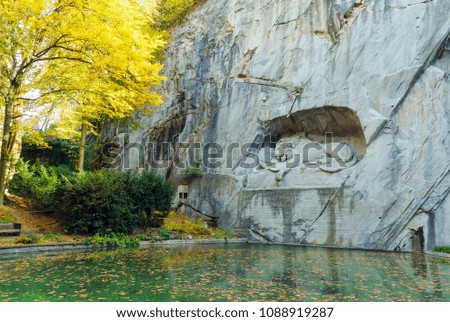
(15, 232)
(47, 248)
(294, 188)
(146, 244)
(442, 255)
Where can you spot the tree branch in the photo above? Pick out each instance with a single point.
(17, 116)
(68, 49)
(46, 94)
(65, 58)
(46, 50)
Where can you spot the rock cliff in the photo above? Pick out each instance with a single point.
(251, 83)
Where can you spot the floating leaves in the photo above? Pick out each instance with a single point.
(226, 273)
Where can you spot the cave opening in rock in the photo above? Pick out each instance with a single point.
(418, 240)
(319, 123)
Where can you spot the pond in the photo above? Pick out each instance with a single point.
(233, 272)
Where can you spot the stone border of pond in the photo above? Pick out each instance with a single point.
(442, 255)
(144, 244)
(47, 248)
(63, 247)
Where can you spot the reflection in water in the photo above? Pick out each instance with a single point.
(331, 285)
(437, 286)
(226, 273)
(419, 264)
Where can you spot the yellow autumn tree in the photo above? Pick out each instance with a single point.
(85, 58)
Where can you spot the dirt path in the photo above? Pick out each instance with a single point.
(20, 211)
(44, 228)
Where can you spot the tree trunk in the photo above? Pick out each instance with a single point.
(82, 147)
(4, 154)
(14, 150)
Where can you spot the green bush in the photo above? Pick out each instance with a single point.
(98, 202)
(95, 202)
(28, 239)
(56, 152)
(39, 183)
(442, 249)
(164, 234)
(152, 197)
(223, 234)
(195, 170)
(107, 201)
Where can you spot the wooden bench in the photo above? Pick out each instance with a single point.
(10, 229)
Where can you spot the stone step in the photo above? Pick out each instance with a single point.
(6, 226)
(10, 229)
(10, 232)
(10, 226)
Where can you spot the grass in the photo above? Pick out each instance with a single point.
(36, 238)
(442, 249)
(6, 219)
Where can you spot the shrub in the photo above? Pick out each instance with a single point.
(98, 202)
(108, 201)
(152, 197)
(195, 170)
(223, 234)
(39, 183)
(52, 152)
(442, 249)
(164, 234)
(180, 223)
(160, 234)
(28, 239)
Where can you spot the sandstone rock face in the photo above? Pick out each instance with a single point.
(245, 74)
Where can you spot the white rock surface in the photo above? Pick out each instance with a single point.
(374, 73)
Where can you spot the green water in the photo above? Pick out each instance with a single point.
(225, 273)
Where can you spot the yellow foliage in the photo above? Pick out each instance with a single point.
(179, 223)
(35, 138)
(90, 58)
(171, 11)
